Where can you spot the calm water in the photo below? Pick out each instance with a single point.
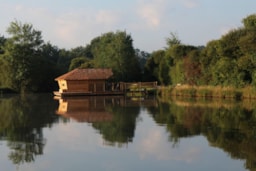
(38, 133)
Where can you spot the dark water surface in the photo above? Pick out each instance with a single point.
(38, 133)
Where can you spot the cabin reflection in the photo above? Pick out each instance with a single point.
(95, 108)
(85, 109)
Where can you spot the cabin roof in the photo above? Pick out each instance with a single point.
(87, 74)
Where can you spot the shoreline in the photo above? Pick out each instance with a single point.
(208, 92)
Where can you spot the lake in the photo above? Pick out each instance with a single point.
(40, 133)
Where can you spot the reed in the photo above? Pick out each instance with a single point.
(249, 92)
(209, 92)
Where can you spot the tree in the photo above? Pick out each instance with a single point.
(2, 42)
(142, 56)
(178, 53)
(80, 62)
(115, 51)
(173, 40)
(250, 21)
(151, 70)
(165, 64)
(81, 51)
(192, 67)
(229, 46)
(21, 51)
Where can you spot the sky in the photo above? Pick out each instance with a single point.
(72, 23)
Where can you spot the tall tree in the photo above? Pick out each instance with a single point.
(115, 50)
(152, 66)
(21, 51)
(173, 40)
(2, 41)
(250, 21)
(80, 62)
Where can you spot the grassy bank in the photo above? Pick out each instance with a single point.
(248, 92)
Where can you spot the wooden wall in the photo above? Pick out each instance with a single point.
(82, 86)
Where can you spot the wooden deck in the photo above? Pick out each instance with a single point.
(139, 88)
(70, 94)
(124, 88)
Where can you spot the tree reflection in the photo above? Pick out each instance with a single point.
(229, 127)
(114, 117)
(26, 144)
(21, 121)
(120, 130)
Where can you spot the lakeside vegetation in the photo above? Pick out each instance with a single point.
(222, 68)
(209, 92)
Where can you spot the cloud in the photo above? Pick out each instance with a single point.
(66, 29)
(154, 145)
(151, 12)
(190, 3)
(107, 17)
(76, 28)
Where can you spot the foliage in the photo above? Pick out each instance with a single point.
(20, 53)
(152, 66)
(142, 57)
(250, 21)
(115, 51)
(229, 61)
(27, 64)
(80, 62)
(173, 40)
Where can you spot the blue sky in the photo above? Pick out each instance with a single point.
(72, 23)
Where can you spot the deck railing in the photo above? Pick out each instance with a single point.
(138, 86)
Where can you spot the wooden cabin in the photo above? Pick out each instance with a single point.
(90, 81)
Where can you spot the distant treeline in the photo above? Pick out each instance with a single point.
(28, 64)
(229, 61)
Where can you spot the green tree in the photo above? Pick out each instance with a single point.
(179, 53)
(250, 21)
(81, 51)
(192, 67)
(173, 40)
(229, 46)
(115, 51)
(21, 50)
(208, 57)
(142, 56)
(164, 69)
(80, 62)
(2, 42)
(152, 66)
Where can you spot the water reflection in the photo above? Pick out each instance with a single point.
(227, 125)
(21, 121)
(86, 109)
(114, 117)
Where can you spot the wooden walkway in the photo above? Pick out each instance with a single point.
(138, 88)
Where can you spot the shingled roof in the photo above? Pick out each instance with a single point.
(86, 74)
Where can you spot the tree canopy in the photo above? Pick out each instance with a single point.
(28, 64)
(228, 61)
